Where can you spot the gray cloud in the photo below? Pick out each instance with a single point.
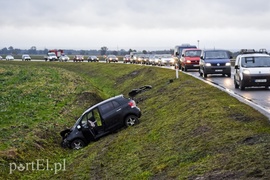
(141, 16)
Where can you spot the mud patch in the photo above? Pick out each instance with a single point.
(220, 175)
(200, 130)
(240, 117)
(87, 98)
(9, 154)
(256, 139)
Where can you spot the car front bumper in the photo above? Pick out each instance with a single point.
(256, 80)
(217, 70)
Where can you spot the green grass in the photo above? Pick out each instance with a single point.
(188, 129)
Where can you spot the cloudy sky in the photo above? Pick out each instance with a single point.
(135, 24)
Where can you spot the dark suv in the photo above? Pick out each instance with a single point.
(215, 62)
(102, 119)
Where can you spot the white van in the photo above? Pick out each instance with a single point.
(252, 68)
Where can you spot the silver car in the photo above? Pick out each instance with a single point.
(9, 57)
(26, 57)
(165, 60)
(63, 58)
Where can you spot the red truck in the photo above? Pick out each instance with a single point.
(58, 52)
(53, 54)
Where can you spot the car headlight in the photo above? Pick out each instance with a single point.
(207, 64)
(188, 61)
(228, 64)
(245, 71)
(116, 58)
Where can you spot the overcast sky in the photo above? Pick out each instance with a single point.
(135, 24)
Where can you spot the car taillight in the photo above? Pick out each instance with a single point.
(132, 104)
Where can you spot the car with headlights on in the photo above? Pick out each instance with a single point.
(252, 69)
(126, 58)
(166, 60)
(215, 62)
(93, 59)
(64, 58)
(9, 57)
(190, 59)
(78, 58)
(111, 58)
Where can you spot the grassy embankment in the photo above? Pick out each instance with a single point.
(188, 128)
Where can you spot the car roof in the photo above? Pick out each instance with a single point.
(254, 54)
(214, 50)
(102, 102)
(188, 49)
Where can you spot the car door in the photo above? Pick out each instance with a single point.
(86, 128)
(111, 115)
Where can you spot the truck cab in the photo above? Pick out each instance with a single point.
(50, 57)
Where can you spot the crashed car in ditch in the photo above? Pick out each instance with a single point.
(102, 119)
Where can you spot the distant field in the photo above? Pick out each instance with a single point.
(188, 129)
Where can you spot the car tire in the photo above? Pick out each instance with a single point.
(236, 86)
(204, 75)
(131, 120)
(77, 144)
(241, 85)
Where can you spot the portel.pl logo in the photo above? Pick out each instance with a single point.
(38, 165)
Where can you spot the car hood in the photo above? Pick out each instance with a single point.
(258, 70)
(217, 60)
(192, 58)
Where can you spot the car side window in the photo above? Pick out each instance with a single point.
(115, 104)
(84, 119)
(106, 107)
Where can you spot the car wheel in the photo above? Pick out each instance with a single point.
(204, 75)
(77, 144)
(131, 120)
(235, 84)
(185, 69)
(241, 85)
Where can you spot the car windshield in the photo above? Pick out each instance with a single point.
(255, 62)
(216, 55)
(193, 53)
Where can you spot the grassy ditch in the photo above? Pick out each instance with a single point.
(188, 129)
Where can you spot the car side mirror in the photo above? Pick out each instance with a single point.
(183, 55)
(202, 57)
(79, 127)
(236, 67)
(177, 54)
